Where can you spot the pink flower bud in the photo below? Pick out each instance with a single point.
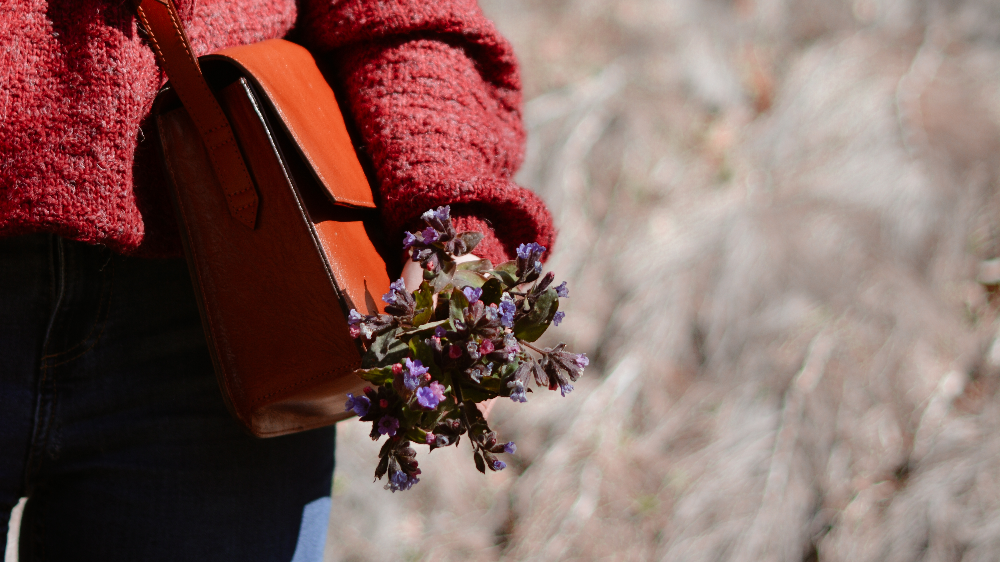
(384, 403)
(397, 368)
(454, 352)
(486, 347)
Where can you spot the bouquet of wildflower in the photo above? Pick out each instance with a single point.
(464, 336)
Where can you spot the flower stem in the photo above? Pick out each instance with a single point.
(529, 346)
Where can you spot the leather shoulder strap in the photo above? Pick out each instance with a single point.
(167, 37)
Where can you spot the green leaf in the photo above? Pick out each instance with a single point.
(385, 349)
(448, 266)
(492, 291)
(458, 304)
(492, 385)
(425, 329)
(425, 355)
(417, 435)
(424, 297)
(531, 326)
(468, 279)
(476, 394)
(479, 266)
(381, 375)
(471, 240)
(507, 272)
(410, 418)
(440, 282)
(480, 463)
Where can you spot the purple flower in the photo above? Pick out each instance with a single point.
(441, 213)
(388, 425)
(511, 347)
(415, 372)
(530, 254)
(510, 448)
(354, 318)
(400, 481)
(430, 235)
(396, 287)
(426, 398)
(359, 404)
(518, 395)
(473, 294)
(439, 331)
(526, 251)
(409, 240)
(507, 310)
(499, 464)
(565, 389)
(562, 290)
(581, 360)
(558, 318)
(430, 396)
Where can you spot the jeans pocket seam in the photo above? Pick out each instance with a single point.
(104, 309)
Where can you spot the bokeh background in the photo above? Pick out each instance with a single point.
(776, 218)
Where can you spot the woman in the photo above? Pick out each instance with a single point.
(110, 419)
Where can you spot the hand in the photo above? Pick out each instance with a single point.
(413, 275)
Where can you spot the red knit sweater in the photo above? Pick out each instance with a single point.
(432, 87)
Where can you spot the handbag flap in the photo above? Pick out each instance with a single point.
(286, 74)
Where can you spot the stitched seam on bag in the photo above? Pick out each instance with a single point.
(178, 30)
(301, 382)
(197, 271)
(245, 189)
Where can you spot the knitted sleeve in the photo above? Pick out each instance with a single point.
(435, 93)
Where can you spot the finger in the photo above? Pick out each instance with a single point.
(413, 274)
(486, 407)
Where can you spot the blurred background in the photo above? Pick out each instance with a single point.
(776, 218)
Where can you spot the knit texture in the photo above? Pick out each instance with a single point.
(431, 86)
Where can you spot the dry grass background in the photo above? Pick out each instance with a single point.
(772, 213)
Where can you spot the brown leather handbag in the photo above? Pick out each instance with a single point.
(278, 222)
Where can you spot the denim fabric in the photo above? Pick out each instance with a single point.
(111, 422)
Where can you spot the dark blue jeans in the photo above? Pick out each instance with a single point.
(112, 425)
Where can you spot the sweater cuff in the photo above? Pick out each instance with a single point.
(439, 134)
(490, 246)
